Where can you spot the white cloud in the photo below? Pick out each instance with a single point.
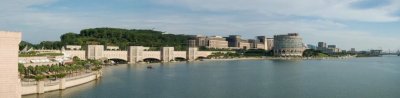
(315, 20)
(327, 9)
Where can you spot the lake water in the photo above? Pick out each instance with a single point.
(350, 78)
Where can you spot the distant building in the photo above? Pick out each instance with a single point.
(253, 43)
(199, 41)
(331, 46)
(270, 43)
(288, 45)
(309, 46)
(217, 42)
(322, 46)
(192, 43)
(353, 50)
(262, 40)
(376, 52)
(244, 44)
(230, 42)
(233, 40)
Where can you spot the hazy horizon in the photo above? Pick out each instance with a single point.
(360, 24)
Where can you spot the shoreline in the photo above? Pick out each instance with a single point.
(251, 58)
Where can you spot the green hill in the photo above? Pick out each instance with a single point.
(118, 37)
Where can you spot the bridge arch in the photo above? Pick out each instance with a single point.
(201, 58)
(118, 61)
(151, 60)
(180, 59)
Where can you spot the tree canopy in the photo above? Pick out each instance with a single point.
(115, 37)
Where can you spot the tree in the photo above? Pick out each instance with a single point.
(21, 69)
(76, 58)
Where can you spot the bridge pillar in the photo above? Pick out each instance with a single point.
(191, 53)
(167, 54)
(94, 52)
(135, 54)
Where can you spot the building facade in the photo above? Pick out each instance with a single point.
(289, 45)
(10, 86)
(217, 42)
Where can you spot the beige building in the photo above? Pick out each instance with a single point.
(10, 86)
(217, 42)
(244, 45)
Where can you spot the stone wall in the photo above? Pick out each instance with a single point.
(79, 53)
(46, 86)
(9, 79)
(116, 55)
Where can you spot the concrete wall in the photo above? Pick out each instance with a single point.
(151, 54)
(181, 54)
(116, 54)
(46, 86)
(9, 79)
(79, 53)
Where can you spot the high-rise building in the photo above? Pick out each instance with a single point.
(322, 44)
(288, 45)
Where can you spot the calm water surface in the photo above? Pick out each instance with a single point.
(351, 78)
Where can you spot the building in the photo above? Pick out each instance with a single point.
(244, 44)
(270, 43)
(233, 40)
(331, 46)
(288, 45)
(263, 40)
(353, 50)
(309, 46)
(322, 46)
(376, 52)
(192, 43)
(10, 85)
(217, 42)
(253, 43)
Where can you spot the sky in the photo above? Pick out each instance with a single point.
(360, 24)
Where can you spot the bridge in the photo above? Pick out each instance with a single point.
(137, 54)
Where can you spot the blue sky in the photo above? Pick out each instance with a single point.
(363, 24)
